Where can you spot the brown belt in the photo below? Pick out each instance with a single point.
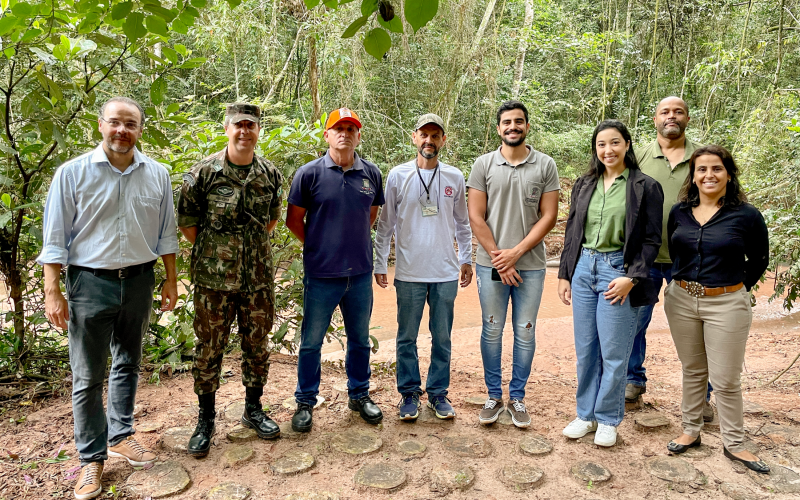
(695, 289)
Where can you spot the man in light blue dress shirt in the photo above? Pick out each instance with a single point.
(109, 215)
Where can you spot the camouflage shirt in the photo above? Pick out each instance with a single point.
(232, 251)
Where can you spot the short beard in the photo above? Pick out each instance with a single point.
(118, 149)
(662, 131)
(428, 156)
(513, 144)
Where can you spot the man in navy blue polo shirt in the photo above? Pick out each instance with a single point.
(333, 203)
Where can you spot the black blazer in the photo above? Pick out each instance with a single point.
(644, 212)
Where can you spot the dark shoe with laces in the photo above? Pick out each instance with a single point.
(303, 416)
(409, 407)
(200, 442)
(368, 410)
(678, 448)
(255, 418)
(442, 407)
(754, 465)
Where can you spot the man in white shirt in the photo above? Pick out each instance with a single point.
(425, 210)
(109, 215)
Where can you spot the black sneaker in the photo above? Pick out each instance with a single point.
(367, 408)
(409, 407)
(442, 407)
(302, 419)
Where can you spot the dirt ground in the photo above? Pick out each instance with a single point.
(772, 422)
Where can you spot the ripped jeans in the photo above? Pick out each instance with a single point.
(525, 300)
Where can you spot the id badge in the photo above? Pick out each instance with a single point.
(428, 210)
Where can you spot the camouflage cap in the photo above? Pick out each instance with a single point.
(429, 118)
(239, 111)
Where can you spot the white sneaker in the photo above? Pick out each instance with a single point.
(606, 435)
(579, 428)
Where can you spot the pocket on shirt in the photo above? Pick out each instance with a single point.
(533, 193)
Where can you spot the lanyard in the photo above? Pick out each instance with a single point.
(428, 187)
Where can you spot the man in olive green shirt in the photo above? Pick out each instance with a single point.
(605, 219)
(666, 160)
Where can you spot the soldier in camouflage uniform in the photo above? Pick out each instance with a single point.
(227, 207)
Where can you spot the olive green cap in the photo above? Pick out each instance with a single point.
(429, 118)
(239, 111)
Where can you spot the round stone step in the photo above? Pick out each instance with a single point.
(312, 495)
(781, 434)
(236, 455)
(161, 480)
(381, 476)
(535, 444)
(738, 492)
(229, 491)
(242, 434)
(475, 400)
(288, 433)
(428, 416)
(505, 418)
(590, 472)
(176, 438)
(467, 446)
(650, 422)
(356, 442)
(701, 451)
(291, 404)
(753, 409)
(293, 462)
(521, 477)
(234, 411)
(148, 427)
(779, 480)
(671, 469)
(411, 448)
(448, 477)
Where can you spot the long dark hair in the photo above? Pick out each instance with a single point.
(733, 192)
(596, 167)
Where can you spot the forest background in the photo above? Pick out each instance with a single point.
(574, 63)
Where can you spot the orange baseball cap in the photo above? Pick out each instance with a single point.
(342, 115)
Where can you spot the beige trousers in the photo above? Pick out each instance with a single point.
(710, 335)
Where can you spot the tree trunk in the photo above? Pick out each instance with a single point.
(523, 46)
(653, 55)
(780, 49)
(741, 48)
(313, 77)
(282, 74)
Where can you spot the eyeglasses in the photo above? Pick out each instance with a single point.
(129, 126)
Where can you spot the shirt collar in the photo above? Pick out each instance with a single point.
(328, 161)
(625, 173)
(100, 157)
(688, 149)
(501, 160)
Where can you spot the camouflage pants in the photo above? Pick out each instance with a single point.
(214, 315)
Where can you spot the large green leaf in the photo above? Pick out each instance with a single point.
(170, 54)
(157, 90)
(165, 14)
(368, 7)
(157, 25)
(395, 25)
(134, 26)
(377, 43)
(121, 10)
(419, 12)
(7, 23)
(232, 3)
(355, 26)
(310, 4)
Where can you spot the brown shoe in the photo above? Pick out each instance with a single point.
(88, 484)
(136, 454)
(519, 414)
(491, 411)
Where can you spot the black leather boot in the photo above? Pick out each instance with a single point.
(254, 416)
(303, 416)
(368, 410)
(200, 442)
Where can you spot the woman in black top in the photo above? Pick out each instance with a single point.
(719, 248)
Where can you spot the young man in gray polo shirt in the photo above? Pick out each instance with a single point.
(513, 204)
(426, 209)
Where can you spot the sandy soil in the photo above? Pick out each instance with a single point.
(550, 398)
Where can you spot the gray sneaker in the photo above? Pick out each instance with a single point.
(491, 411)
(708, 412)
(519, 414)
(632, 392)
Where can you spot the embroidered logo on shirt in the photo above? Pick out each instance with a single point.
(448, 191)
(366, 187)
(224, 190)
(189, 179)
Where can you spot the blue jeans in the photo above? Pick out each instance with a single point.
(411, 298)
(525, 300)
(105, 315)
(659, 273)
(353, 295)
(603, 338)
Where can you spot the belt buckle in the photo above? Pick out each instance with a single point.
(122, 272)
(695, 289)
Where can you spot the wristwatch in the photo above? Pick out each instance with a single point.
(635, 281)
